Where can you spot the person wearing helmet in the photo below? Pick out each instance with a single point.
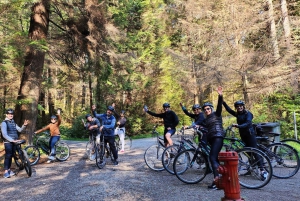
(10, 135)
(198, 116)
(170, 122)
(244, 124)
(215, 133)
(53, 127)
(108, 122)
(120, 129)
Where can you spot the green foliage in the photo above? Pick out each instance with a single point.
(76, 130)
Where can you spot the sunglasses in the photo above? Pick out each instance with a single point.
(207, 109)
(239, 106)
(195, 109)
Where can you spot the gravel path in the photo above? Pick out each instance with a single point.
(80, 179)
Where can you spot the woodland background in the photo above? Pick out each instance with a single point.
(71, 54)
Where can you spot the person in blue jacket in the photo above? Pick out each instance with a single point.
(107, 127)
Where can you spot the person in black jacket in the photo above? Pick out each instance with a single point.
(244, 124)
(215, 133)
(170, 122)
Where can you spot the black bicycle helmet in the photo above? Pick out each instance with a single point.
(196, 106)
(87, 116)
(239, 102)
(166, 105)
(207, 104)
(53, 117)
(122, 111)
(10, 111)
(111, 108)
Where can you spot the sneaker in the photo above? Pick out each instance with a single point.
(11, 173)
(122, 151)
(51, 158)
(213, 186)
(115, 163)
(6, 175)
(264, 175)
(49, 161)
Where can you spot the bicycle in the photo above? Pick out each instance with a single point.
(21, 158)
(254, 166)
(90, 148)
(127, 142)
(42, 142)
(103, 151)
(192, 165)
(293, 143)
(170, 152)
(153, 154)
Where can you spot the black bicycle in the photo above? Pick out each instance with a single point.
(21, 158)
(42, 142)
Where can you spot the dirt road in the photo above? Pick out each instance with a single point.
(80, 179)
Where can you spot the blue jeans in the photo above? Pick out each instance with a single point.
(52, 142)
(10, 149)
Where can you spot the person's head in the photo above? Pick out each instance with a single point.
(239, 106)
(122, 114)
(110, 110)
(196, 108)
(9, 113)
(207, 108)
(88, 117)
(166, 106)
(53, 118)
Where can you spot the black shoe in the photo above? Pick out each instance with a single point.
(213, 186)
(115, 163)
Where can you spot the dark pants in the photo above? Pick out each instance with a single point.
(111, 141)
(216, 144)
(10, 149)
(52, 142)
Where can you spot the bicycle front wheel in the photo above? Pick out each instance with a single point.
(26, 163)
(190, 166)
(62, 151)
(100, 158)
(284, 160)
(254, 168)
(153, 157)
(168, 157)
(293, 143)
(90, 150)
(33, 154)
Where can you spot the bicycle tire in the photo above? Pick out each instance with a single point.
(286, 163)
(18, 161)
(26, 163)
(152, 157)
(249, 170)
(62, 151)
(90, 150)
(293, 143)
(168, 157)
(33, 154)
(189, 168)
(100, 158)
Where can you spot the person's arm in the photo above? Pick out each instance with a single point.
(4, 132)
(220, 101)
(122, 122)
(187, 113)
(229, 110)
(248, 122)
(111, 125)
(161, 115)
(58, 119)
(43, 129)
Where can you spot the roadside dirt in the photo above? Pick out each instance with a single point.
(79, 179)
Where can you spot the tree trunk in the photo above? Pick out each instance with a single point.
(286, 23)
(273, 35)
(29, 92)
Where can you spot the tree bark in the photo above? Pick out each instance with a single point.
(29, 92)
(286, 23)
(273, 35)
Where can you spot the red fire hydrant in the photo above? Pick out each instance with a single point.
(229, 180)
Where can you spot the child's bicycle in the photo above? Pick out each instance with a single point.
(42, 142)
(21, 158)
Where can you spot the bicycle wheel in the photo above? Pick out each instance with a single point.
(190, 166)
(128, 142)
(18, 161)
(62, 151)
(33, 154)
(26, 163)
(153, 156)
(100, 158)
(284, 160)
(293, 143)
(90, 150)
(254, 168)
(168, 157)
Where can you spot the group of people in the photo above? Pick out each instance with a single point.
(210, 121)
(104, 125)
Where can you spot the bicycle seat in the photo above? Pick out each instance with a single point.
(20, 142)
(274, 134)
